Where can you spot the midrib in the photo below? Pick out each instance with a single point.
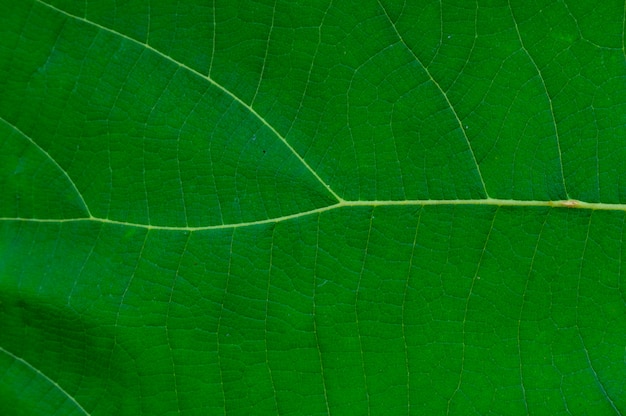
(562, 204)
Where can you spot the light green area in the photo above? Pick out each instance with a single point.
(286, 207)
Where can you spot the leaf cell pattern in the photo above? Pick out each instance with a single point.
(318, 207)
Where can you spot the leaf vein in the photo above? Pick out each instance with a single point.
(545, 88)
(443, 94)
(45, 377)
(209, 79)
(569, 204)
(63, 171)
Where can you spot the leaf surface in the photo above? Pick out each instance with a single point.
(278, 207)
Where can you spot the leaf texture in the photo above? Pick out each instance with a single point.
(282, 207)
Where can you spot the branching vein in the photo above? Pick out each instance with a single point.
(49, 157)
(45, 377)
(212, 82)
(545, 88)
(443, 94)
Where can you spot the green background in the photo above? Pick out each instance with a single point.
(316, 207)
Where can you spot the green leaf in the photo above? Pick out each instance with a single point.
(279, 207)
